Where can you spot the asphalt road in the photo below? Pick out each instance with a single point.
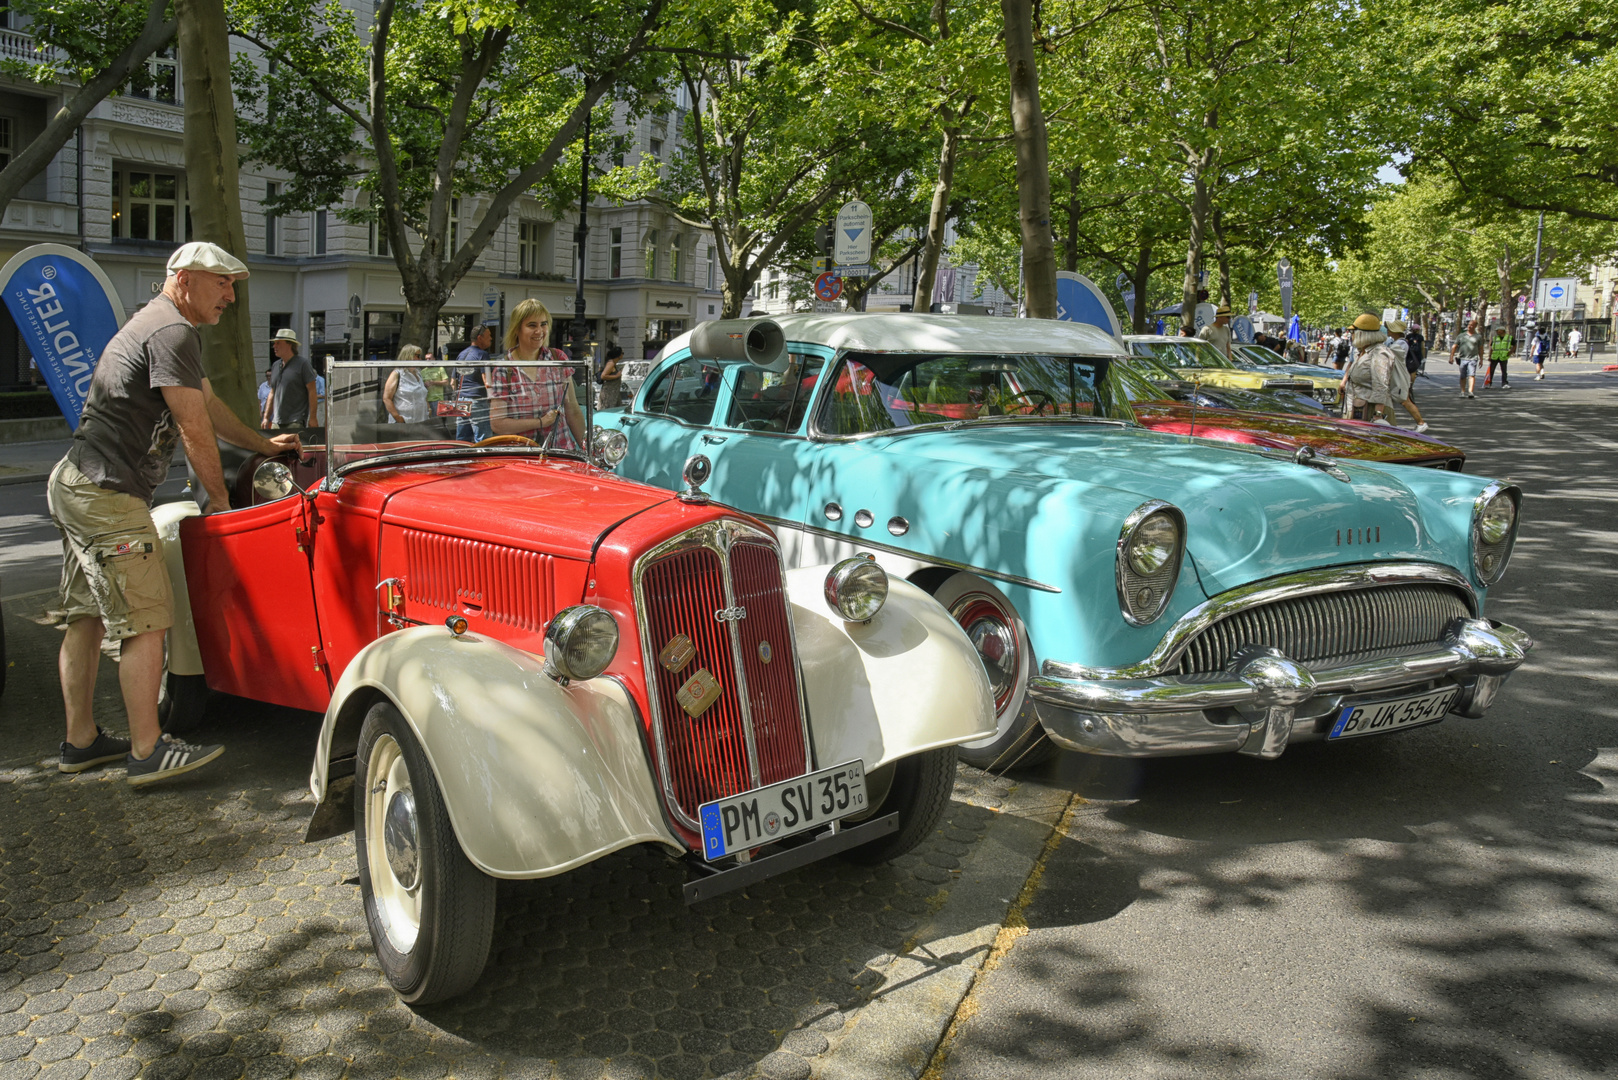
(1439, 903)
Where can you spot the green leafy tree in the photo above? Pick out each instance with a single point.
(433, 101)
(100, 45)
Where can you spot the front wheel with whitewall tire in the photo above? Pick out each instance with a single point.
(917, 788)
(1001, 642)
(430, 911)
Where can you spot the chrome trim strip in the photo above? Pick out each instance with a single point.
(726, 537)
(706, 535)
(1124, 573)
(1504, 547)
(918, 556)
(1254, 594)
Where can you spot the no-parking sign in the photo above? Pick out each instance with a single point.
(828, 287)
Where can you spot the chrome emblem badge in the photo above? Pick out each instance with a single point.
(731, 614)
(765, 653)
(677, 653)
(698, 694)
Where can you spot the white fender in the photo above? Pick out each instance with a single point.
(184, 656)
(908, 680)
(538, 778)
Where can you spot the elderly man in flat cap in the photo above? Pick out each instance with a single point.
(148, 393)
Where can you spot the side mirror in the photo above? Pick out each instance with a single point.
(759, 342)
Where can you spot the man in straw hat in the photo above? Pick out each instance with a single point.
(293, 393)
(1217, 333)
(148, 393)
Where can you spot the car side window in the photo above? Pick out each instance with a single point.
(855, 405)
(766, 401)
(687, 391)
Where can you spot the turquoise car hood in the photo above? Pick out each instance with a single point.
(1250, 515)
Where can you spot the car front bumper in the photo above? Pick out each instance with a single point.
(1268, 700)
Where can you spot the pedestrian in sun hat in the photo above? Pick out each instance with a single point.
(1217, 333)
(148, 394)
(293, 392)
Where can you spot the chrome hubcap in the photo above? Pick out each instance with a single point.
(399, 839)
(995, 640)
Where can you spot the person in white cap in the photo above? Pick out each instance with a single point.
(148, 393)
(293, 394)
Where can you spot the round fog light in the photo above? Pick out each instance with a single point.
(856, 589)
(609, 446)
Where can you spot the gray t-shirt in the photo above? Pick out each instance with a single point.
(289, 382)
(127, 435)
(1467, 345)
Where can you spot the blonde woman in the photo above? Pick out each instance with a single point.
(533, 401)
(405, 394)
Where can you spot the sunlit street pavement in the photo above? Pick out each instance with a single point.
(1441, 903)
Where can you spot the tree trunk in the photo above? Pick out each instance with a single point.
(1139, 277)
(1221, 255)
(937, 218)
(1200, 206)
(1033, 161)
(1070, 241)
(214, 187)
(1508, 307)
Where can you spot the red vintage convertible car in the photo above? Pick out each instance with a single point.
(526, 663)
(1151, 391)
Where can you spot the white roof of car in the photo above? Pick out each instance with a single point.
(902, 332)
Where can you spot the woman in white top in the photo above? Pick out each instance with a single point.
(405, 394)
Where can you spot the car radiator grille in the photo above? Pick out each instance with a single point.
(505, 585)
(708, 756)
(1331, 626)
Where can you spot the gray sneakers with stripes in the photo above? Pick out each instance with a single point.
(170, 757)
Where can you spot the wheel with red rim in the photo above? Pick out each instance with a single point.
(1001, 641)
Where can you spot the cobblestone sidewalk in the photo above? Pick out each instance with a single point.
(190, 933)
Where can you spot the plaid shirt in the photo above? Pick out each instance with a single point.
(532, 392)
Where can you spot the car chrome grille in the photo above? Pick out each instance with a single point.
(753, 733)
(1331, 626)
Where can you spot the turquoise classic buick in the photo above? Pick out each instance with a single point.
(1129, 592)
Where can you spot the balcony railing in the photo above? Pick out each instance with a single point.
(16, 45)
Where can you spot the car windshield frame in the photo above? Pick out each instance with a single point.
(1250, 352)
(355, 410)
(901, 366)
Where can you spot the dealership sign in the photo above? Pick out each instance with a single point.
(67, 311)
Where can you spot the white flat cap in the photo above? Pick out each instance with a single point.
(209, 258)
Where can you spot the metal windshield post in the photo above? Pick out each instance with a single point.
(580, 328)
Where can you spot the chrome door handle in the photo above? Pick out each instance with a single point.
(629, 421)
(714, 439)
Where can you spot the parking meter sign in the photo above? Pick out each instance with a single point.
(828, 287)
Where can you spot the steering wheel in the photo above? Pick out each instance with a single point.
(506, 440)
(1046, 400)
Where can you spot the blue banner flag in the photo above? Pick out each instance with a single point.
(1078, 299)
(67, 311)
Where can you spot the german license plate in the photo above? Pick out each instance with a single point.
(1376, 717)
(767, 814)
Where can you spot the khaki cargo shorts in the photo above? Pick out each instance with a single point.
(112, 558)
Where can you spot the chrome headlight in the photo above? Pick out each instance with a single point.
(1150, 547)
(608, 446)
(1494, 530)
(580, 642)
(271, 481)
(856, 589)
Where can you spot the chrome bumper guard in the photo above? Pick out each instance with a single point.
(1266, 700)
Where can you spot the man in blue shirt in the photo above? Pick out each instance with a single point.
(468, 379)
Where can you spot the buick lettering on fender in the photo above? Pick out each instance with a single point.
(526, 663)
(1129, 591)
